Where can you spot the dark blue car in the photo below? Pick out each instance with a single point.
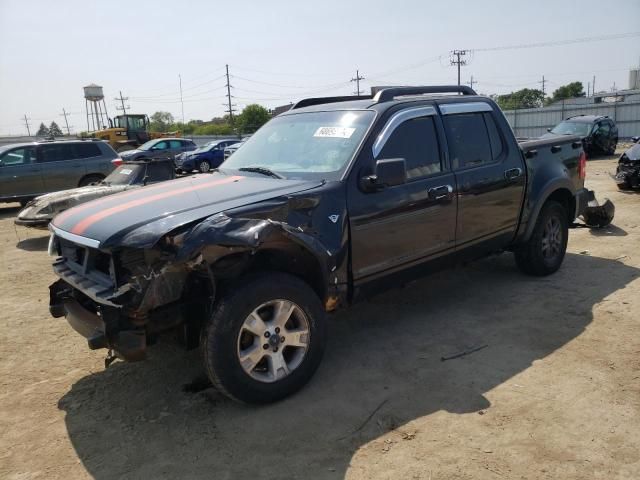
(203, 158)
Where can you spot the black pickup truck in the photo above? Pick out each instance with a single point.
(325, 204)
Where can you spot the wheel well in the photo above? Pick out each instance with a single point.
(98, 176)
(565, 198)
(286, 256)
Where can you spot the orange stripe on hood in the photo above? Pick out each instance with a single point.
(62, 216)
(85, 223)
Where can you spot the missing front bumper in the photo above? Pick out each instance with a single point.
(101, 331)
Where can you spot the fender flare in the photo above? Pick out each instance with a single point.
(546, 191)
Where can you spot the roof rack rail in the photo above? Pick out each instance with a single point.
(307, 102)
(388, 94)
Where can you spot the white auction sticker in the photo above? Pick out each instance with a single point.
(334, 132)
(125, 171)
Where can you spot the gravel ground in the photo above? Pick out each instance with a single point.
(555, 394)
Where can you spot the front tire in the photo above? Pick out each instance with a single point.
(264, 339)
(204, 166)
(544, 252)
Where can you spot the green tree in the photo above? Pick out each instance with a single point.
(161, 121)
(214, 129)
(252, 118)
(54, 130)
(43, 131)
(525, 98)
(570, 90)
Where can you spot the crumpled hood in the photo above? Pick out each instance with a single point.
(140, 218)
(50, 204)
(633, 153)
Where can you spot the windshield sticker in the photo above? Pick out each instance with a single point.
(125, 171)
(334, 132)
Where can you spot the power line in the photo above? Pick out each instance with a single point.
(149, 97)
(26, 124)
(458, 60)
(560, 42)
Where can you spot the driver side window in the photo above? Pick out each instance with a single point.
(161, 146)
(416, 141)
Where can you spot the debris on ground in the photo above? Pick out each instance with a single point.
(462, 354)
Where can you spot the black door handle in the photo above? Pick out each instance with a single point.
(512, 173)
(441, 192)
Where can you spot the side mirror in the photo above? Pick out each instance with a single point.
(548, 129)
(388, 173)
(633, 139)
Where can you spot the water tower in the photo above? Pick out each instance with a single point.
(96, 107)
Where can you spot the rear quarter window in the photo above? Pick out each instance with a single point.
(87, 150)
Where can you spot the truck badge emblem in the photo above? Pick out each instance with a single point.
(334, 218)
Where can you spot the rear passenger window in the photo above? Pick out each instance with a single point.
(469, 143)
(57, 152)
(87, 150)
(416, 141)
(175, 144)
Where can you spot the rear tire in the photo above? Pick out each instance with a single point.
(89, 179)
(253, 354)
(544, 252)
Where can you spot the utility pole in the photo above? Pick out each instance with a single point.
(65, 114)
(357, 80)
(593, 86)
(122, 99)
(181, 102)
(543, 82)
(230, 110)
(588, 89)
(26, 124)
(124, 109)
(458, 60)
(471, 82)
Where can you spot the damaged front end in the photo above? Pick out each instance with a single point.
(123, 299)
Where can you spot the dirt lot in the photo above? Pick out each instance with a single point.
(555, 394)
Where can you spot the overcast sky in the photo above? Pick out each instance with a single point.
(280, 51)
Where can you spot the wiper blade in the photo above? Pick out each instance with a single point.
(262, 170)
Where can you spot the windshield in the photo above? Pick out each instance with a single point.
(317, 145)
(572, 128)
(147, 145)
(123, 175)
